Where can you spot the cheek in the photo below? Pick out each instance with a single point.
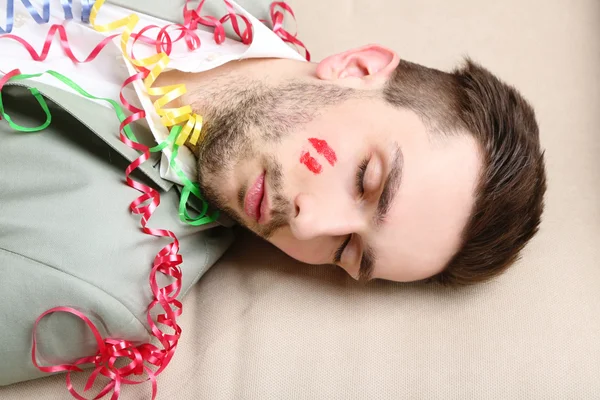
(316, 251)
(324, 151)
(323, 148)
(310, 163)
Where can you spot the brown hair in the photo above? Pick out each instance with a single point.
(509, 197)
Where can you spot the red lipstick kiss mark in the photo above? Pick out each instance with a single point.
(323, 148)
(312, 164)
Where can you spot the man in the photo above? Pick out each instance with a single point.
(386, 168)
(434, 175)
(429, 175)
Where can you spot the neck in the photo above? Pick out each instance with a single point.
(209, 82)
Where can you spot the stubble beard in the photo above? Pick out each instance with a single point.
(239, 116)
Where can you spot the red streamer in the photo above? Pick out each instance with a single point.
(7, 77)
(277, 21)
(166, 262)
(109, 351)
(191, 19)
(163, 41)
(64, 43)
(168, 259)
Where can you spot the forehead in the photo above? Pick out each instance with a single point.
(425, 222)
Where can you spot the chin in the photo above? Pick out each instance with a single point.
(219, 194)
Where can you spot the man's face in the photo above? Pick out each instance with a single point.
(326, 170)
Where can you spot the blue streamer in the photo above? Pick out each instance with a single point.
(66, 5)
(9, 17)
(44, 18)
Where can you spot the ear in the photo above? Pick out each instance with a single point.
(370, 64)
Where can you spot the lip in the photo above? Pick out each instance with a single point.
(265, 207)
(256, 201)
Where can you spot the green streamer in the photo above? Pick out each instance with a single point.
(189, 187)
(36, 93)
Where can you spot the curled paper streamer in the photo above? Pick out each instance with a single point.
(192, 18)
(277, 21)
(150, 68)
(157, 62)
(163, 41)
(64, 43)
(45, 17)
(109, 351)
(11, 75)
(245, 36)
(166, 262)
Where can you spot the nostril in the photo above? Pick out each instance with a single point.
(299, 200)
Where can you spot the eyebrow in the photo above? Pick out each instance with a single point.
(367, 262)
(390, 188)
(388, 194)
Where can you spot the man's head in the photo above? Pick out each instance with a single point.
(389, 169)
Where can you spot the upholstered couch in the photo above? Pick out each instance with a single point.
(259, 325)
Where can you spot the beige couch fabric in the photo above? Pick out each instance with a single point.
(261, 326)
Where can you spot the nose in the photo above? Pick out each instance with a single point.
(317, 217)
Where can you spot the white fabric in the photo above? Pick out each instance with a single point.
(104, 76)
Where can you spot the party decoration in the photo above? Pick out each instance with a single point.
(45, 17)
(185, 126)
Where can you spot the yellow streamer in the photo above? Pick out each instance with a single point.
(197, 130)
(129, 23)
(193, 126)
(159, 61)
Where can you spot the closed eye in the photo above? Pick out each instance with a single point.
(360, 176)
(360, 187)
(337, 258)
